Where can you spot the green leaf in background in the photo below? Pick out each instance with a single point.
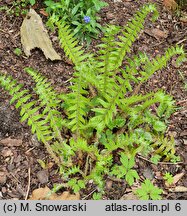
(149, 191)
(32, 2)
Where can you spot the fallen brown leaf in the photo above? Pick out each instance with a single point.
(177, 177)
(1, 45)
(40, 193)
(159, 33)
(43, 12)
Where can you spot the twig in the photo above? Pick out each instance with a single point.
(161, 163)
(157, 44)
(30, 150)
(116, 179)
(68, 80)
(15, 178)
(29, 183)
(181, 41)
(89, 194)
(86, 166)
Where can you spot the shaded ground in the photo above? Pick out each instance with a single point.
(20, 173)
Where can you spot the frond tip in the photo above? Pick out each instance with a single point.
(70, 44)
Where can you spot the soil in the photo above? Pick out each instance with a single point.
(20, 172)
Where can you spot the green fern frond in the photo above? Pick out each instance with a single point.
(82, 145)
(161, 61)
(166, 104)
(73, 170)
(165, 147)
(70, 44)
(110, 142)
(76, 104)
(104, 115)
(126, 103)
(29, 112)
(112, 52)
(133, 66)
(132, 29)
(107, 56)
(49, 100)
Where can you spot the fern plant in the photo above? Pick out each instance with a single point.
(103, 109)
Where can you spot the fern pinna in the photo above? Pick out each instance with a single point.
(103, 108)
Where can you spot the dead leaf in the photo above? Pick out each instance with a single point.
(177, 177)
(170, 4)
(43, 12)
(42, 193)
(159, 33)
(11, 142)
(34, 35)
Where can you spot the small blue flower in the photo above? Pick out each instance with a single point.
(86, 19)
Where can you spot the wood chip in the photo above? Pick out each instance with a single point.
(11, 142)
(34, 35)
(6, 152)
(178, 189)
(156, 33)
